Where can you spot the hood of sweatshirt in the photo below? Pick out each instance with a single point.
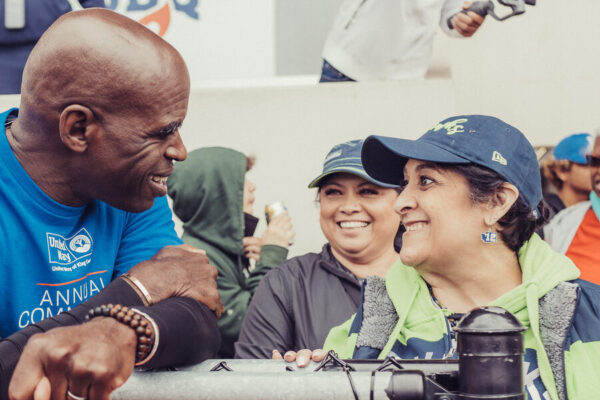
(207, 190)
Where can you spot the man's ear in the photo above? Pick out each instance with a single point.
(504, 198)
(77, 124)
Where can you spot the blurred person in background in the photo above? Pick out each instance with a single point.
(22, 22)
(374, 40)
(568, 171)
(299, 301)
(214, 200)
(575, 231)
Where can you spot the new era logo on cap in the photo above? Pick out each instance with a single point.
(498, 158)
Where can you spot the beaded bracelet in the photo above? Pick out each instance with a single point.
(143, 326)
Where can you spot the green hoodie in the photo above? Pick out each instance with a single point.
(207, 191)
(421, 320)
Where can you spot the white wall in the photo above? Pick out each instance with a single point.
(539, 71)
(219, 39)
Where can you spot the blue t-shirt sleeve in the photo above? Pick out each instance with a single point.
(144, 235)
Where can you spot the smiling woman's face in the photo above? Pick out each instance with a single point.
(357, 216)
(441, 221)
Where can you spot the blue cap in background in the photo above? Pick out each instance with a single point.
(345, 157)
(573, 148)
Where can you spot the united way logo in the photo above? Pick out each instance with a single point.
(72, 251)
(81, 244)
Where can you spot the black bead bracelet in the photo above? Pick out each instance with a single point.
(144, 330)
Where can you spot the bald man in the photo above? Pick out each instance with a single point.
(85, 160)
(575, 231)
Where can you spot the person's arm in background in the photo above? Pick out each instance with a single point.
(463, 24)
(268, 324)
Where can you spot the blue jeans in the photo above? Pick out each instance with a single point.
(330, 74)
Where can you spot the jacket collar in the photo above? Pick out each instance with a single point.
(329, 263)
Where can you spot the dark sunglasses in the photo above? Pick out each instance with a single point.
(593, 161)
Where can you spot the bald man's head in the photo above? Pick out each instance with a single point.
(101, 59)
(102, 102)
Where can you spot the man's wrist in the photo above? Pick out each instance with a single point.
(143, 327)
(139, 288)
(112, 328)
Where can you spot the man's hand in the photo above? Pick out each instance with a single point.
(90, 360)
(467, 24)
(180, 271)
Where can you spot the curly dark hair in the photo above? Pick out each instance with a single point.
(520, 222)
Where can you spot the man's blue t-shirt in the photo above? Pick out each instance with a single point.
(52, 256)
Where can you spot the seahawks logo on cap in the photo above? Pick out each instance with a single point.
(498, 158)
(451, 127)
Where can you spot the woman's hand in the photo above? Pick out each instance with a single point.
(302, 357)
(279, 231)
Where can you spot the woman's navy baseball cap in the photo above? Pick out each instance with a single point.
(345, 157)
(464, 139)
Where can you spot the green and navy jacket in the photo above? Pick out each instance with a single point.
(557, 364)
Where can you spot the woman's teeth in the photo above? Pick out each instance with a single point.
(353, 224)
(415, 226)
